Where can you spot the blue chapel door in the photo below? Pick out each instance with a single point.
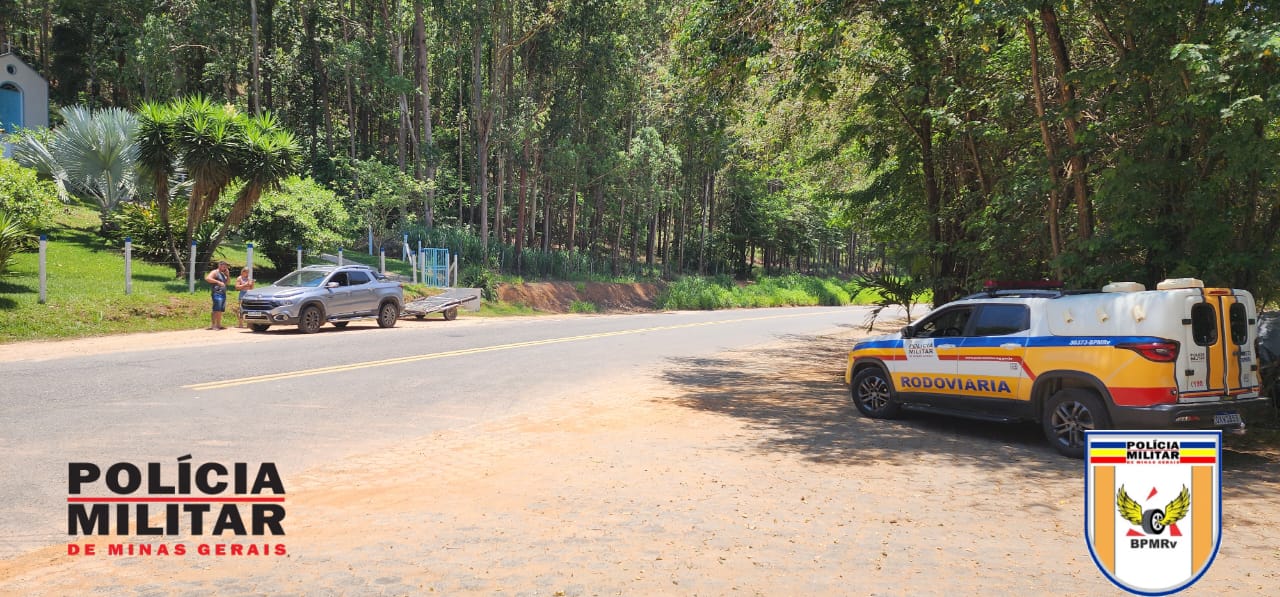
(10, 108)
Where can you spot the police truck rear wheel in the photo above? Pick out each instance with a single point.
(872, 394)
(1068, 414)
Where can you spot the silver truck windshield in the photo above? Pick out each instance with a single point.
(302, 278)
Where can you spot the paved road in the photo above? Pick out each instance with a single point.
(301, 400)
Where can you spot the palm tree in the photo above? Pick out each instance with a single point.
(266, 155)
(206, 139)
(158, 160)
(92, 155)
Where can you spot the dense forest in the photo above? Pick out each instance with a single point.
(953, 141)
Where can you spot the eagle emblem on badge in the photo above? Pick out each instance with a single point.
(1155, 520)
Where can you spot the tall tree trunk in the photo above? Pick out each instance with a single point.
(1077, 162)
(427, 154)
(480, 115)
(521, 214)
(708, 187)
(1050, 148)
(352, 118)
(499, 192)
(268, 48)
(573, 216)
(255, 80)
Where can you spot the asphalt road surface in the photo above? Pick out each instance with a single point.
(298, 400)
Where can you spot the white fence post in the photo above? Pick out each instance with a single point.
(191, 271)
(248, 259)
(299, 257)
(44, 243)
(128, 265)
(382, 260)
(453, 275)
(339, 255)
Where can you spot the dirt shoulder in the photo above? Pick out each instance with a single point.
(711, 476)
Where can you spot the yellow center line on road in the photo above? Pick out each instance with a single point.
(210, 385)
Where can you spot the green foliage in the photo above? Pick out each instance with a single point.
(721, 292)
(26, 198)
(479, 276)
(380, 194)
(894, 289)
(13, 238)
(86, 290)
(578, 306)
(92, 155)
(142, 224)
(301, 213)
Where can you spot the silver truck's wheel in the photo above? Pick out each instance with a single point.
(387, 315)
(310, 321)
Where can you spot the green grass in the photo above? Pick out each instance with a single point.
(583, 307)
(721, 292)
(499, 309)
(85, 287)
(86, 293)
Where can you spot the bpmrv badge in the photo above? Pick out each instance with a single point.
(1153, 506)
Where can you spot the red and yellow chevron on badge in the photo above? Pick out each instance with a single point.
(1153, 506)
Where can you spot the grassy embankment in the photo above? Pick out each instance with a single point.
(85, 287)
(793, 290)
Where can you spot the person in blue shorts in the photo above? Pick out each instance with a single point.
(218, 279)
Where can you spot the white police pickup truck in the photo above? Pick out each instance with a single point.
(1180, 356)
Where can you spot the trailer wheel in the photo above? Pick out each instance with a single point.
(451, 314)
(420, 316)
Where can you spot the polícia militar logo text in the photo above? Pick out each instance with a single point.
(179, 508)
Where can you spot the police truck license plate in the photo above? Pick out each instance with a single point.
(1227, 419)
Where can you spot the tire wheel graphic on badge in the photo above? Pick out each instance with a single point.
(1153, 521)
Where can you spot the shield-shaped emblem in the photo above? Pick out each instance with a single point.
(1153, 506)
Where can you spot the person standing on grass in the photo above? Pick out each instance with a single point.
(218, 279)
(244, 283)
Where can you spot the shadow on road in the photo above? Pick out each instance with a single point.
(796, 394)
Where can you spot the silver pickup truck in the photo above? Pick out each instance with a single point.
(318, 293)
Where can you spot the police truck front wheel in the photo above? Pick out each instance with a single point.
(872, 393)
(1068, 414)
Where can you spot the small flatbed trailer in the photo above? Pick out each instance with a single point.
(446, 303)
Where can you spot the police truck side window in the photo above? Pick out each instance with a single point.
(999, 320)
(950, 323)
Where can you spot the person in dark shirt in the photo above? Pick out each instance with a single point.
(218, 279)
